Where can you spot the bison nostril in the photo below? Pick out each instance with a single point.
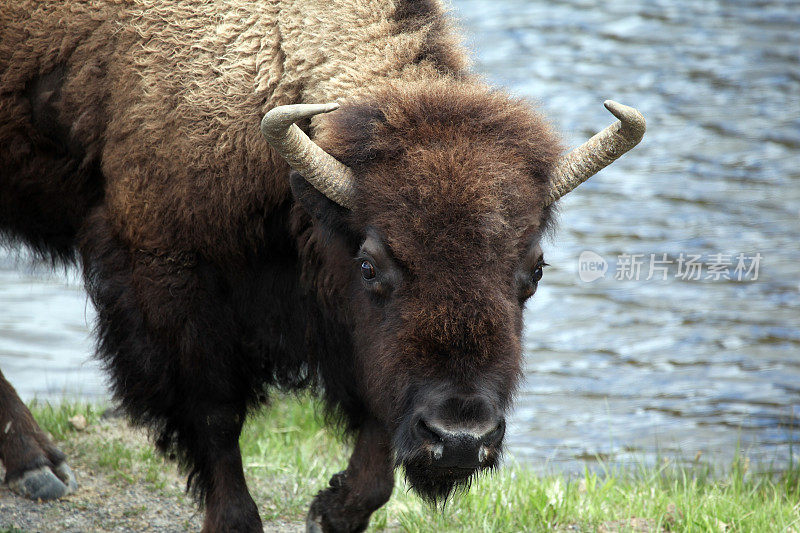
(426, 431)
(483, 454)
(496, 435)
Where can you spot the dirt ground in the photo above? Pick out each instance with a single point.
(106, 502)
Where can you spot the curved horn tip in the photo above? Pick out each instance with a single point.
(286, 115)
(327, 108)
(629, 116)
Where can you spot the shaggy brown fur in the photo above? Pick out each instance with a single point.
(129, 132)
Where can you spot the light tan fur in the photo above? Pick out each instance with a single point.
(184, 84)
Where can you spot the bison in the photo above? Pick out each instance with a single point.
(384, 265)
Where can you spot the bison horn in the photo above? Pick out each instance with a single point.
(328, 175)
(598, 152)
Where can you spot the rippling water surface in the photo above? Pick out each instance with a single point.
(622, 369)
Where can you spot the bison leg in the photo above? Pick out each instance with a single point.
(169, 338)
(357, 492)
(35, 468)
(229, 506)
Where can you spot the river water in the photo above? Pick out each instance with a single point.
(688, 340)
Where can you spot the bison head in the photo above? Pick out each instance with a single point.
(437, 197)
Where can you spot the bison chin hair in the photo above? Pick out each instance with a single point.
(436, 485)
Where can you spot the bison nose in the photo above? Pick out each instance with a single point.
(467, 447)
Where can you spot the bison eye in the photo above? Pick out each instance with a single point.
(536, 275)
(528, 284)
(367, 270)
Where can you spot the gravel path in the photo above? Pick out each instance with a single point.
(107, 501)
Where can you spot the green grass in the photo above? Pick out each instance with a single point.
(289, 456)
(55, 418)
(288, 446)
(123, 460)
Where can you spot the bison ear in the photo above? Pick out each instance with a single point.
(326, 213)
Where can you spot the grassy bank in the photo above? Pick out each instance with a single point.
(288, 456)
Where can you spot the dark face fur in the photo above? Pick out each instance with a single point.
(442, 252)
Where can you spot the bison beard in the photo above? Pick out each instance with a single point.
(434, 484)
(129, 139)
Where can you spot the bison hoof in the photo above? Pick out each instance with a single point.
(65, 474)
(45, 483)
